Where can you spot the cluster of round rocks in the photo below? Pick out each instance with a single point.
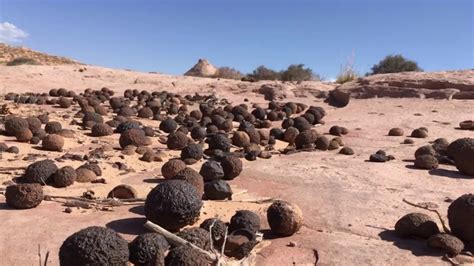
(31, 130)
(461, 218)
(459, 153)
(26, 193)
(178, 201)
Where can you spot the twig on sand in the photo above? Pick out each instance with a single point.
(443, 223)
(260, 201)
(46, 258)
(84, 203)
(178, 241)
(7, 169)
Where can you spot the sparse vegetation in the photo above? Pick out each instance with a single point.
(264, 73)
(295, 72)
(347, 72)
(395, 64)
(22, 61)
(228, 73)
(298, 73)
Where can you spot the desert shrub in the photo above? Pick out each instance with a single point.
(228, 73)
(264, 73)
(298, 73)
(394, 64)
(347, 72)
(22, 61)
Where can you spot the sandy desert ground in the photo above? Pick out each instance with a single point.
(350, 205)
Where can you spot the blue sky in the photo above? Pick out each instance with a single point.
(169, 36)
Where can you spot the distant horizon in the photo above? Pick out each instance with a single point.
(169, 37)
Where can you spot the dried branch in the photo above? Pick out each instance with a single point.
(443, 223)
(178, 241)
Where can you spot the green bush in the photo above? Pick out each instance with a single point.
(264, 73)
(394, 64)
(298, 73)
(22, 61)
(228, 73)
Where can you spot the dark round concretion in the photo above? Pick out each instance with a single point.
(172, 168)
(461, 218)
(24, 196)
(425, 150)
(52, 127)
(245, 219)
(240, 243)
(346, 151)
(211, 170)
(148, 249)
(232, 166)
(177, 141)
(284, 218)
(192, 151)
(335, 130)
(53, 142)
(94, 167)
(219, 142)
(125, 125)
(99, 130)
(94, 246)
(168, 125)
(65, 176)
(198, 133)
(15, 124)
(33, 123)
(462, 151)
(173, 204)
(396, 132)
(40, 171)
(196, 236)
(193, 177)
(446, 242)
(217, 189)
(322, 143)
(416, 224)
(306, 139)
(218, 228)
(426, 161)
(419, 133)
(24, 135)
(135, 137)
(378, 158)
(185, 256)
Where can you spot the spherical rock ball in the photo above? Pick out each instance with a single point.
(172, 168)
(100, 130)
(135, 137)
(462, 151)
(396, 132)
(192, 152)
(284, 218)
(24, 135)
(94, 245)
(24, 196)
(419, 133)
(217, 189)
(65, 176)
(446, 242)
(426, 161)
(185, 256)
(211, 170)
(40, 172)
(123, 191)
(85, 175)
(148, 249)
(219, 142)
(196, 236)
(52, 127)
(173, 205)
(232, 166)
(416, 224)
(244, 219)
(461, 217)
(241, 139)
(191, 176)
(168, 125)
(53, 142)
(177, 141)
(218, 228)
(14, 124)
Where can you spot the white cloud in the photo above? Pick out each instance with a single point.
(10, 33)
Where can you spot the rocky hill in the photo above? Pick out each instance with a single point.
(8, 53)
(202, 69)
